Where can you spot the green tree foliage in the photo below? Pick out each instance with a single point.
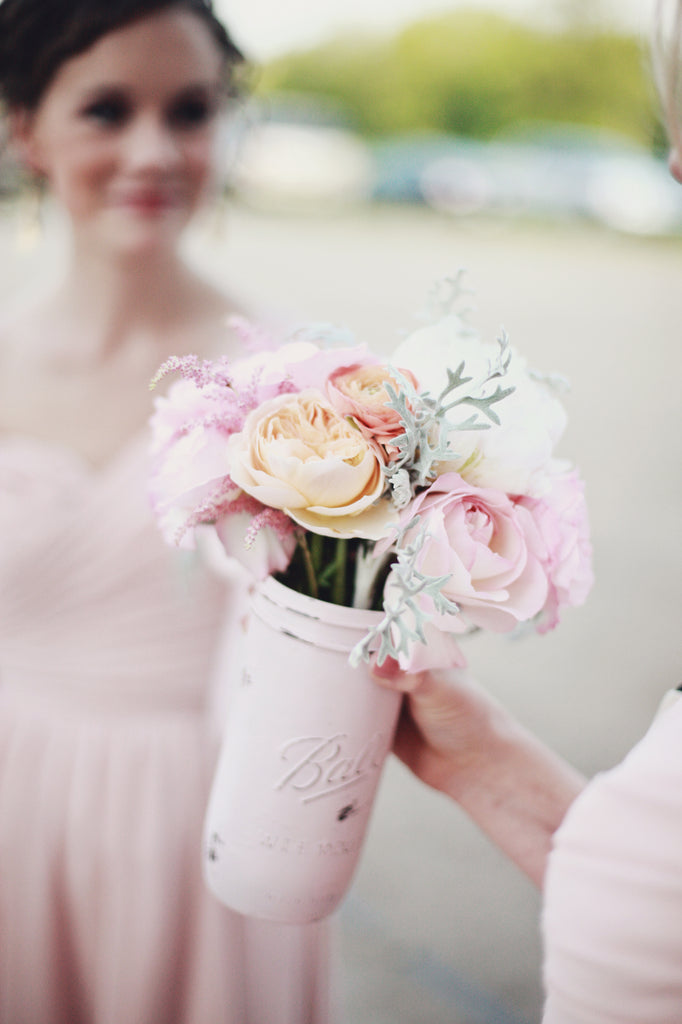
(478, 74)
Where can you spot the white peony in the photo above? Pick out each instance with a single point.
(514, 459)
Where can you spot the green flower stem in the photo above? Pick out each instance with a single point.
(309, 564)
(315, 546)
(340, 563)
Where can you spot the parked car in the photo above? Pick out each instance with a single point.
(558, 173)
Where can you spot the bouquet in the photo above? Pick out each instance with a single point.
(418, 500)
(427, 486)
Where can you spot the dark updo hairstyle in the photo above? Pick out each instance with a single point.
(38, 36)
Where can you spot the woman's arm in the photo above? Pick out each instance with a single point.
(456, 738)
(612, 918)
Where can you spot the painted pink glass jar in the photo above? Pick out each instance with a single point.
(306, 739)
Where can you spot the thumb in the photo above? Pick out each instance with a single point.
(389, 674)
(386, 671)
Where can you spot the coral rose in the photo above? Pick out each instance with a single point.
(360, 392)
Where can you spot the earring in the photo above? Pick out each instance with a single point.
(29, 218)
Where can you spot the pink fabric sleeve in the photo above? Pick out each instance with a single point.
(612, 921)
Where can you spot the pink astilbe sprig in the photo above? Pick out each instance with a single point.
(261, 516)
(261, 538)
(273, 518)
(228, 421)
(253, 391)
(202, 372)
(241, 503)
(207, 398)
(191, 427)
(223, 501)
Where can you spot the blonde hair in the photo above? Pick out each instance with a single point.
(667, 62)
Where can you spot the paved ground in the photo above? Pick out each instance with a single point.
(438, 928)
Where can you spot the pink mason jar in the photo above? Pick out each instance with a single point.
(305, 742)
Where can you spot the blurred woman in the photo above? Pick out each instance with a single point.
(107, 638)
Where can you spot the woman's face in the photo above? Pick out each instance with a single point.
(125, 133)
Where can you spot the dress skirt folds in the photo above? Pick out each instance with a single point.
(107, 751)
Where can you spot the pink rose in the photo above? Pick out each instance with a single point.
(563, 540)
(360, 392)
(484, 543)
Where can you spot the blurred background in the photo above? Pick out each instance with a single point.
(511, 107)
(383, 149)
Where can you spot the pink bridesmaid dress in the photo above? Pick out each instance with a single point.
(106, 755)
(613, 894)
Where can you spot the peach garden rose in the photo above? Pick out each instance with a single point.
(297, 453)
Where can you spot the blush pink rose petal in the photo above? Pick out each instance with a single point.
(487, 547)
(561, 519)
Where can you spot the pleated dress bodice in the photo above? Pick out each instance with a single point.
(107, 752)
(93, 605)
